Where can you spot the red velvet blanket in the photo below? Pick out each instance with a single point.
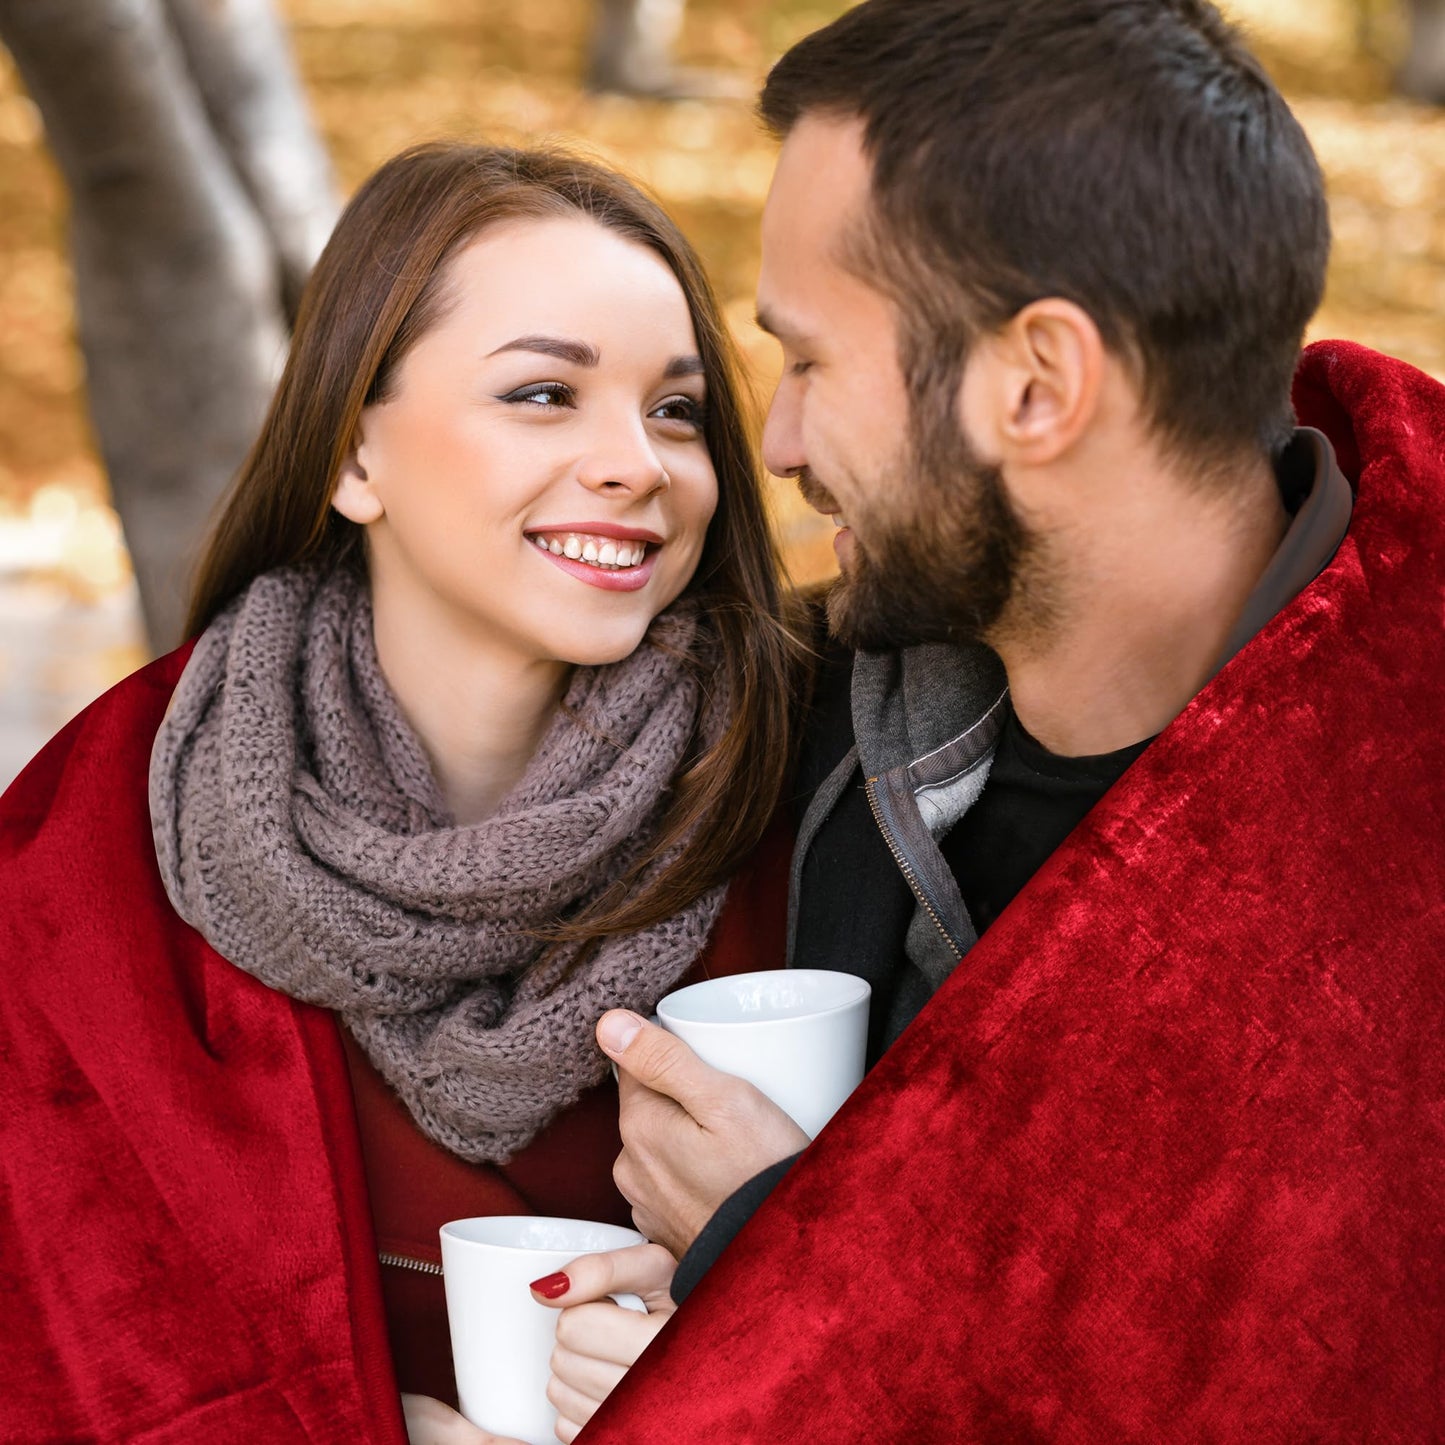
(1165, 1159)
(186, 1250)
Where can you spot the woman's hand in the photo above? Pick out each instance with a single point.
(597, 1340)
(429, 1422)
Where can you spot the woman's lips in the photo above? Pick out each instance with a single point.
(600, 529)
(621, 579)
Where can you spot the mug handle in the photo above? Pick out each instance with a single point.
(629, 1302)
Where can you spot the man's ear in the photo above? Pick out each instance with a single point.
(1032, 388)
(355, 495)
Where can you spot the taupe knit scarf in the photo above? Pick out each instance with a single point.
(299, 829)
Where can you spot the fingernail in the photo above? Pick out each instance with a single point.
(618, 1029)
(551, 1286)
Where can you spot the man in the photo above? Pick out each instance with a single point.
(1165, 1157)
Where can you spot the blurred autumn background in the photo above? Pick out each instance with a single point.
(376, 75)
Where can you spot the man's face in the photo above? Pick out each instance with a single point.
(928, 545)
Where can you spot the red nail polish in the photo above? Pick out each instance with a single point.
(551, 1286)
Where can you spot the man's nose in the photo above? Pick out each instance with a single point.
(620, 458)
(783, 453)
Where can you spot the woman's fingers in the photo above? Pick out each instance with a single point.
(429, 1422)
(606, 1332)
(642, 1269)
(586, 1374)
(597, 1339)
(574, 1409)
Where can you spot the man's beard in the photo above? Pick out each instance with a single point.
(940, 565)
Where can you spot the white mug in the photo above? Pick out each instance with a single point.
(502, 1339)
(799, 1034)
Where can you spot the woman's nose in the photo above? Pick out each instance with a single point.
(621, 458)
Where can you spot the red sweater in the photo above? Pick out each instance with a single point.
(187, 1250)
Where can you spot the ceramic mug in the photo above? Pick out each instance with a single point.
(502, 1339)
(799, 1034)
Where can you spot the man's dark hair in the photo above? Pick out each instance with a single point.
(1128, 155)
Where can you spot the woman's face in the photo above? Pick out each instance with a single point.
(537, 478)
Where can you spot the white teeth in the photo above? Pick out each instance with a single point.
(601, 552)
(838, 520)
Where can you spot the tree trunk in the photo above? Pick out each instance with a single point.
(1423, 73)
(178, 287)
(238, 55)
(632, 45)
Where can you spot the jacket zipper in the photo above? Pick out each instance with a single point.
(405, 1261)
(870, 788)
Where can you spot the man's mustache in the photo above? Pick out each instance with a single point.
(815, 494)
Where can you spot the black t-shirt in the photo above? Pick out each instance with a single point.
(1032, 801)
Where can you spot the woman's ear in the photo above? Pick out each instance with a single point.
(1032, 388)
(355, 496)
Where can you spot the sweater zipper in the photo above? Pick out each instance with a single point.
(870, 788)
(405, 1261)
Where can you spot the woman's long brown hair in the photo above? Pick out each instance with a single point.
(376, 289)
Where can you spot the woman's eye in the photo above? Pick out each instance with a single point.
(544, 395)
(800, 368)
(684, 409)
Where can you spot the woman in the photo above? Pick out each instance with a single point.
(490, 701)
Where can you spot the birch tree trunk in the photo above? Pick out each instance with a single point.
(1423, 73)
(174, 153)
(632, 44)
(237, 53)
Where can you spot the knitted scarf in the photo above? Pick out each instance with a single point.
(299, 828)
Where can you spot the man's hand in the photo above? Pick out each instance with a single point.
(598, 1340)
(691, 1135)
(429, 1422)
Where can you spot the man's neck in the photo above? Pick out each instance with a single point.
(1140, 606)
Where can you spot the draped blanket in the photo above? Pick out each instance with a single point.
(187, 1253)
(1164, 1159)
(186, 1248)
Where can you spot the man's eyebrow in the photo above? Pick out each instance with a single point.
(577, 352)
(776, 326)
(684, 366)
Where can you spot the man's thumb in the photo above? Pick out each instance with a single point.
(616, 1029)
(652, 1056)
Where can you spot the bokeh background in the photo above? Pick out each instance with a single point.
(380, 74)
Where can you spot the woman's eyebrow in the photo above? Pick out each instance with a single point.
(579, 353)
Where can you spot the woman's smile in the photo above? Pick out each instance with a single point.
(563, 421)
(592, 556)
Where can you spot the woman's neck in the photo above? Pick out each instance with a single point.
(479, 709)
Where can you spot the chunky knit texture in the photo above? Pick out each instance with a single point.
(299, 829)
